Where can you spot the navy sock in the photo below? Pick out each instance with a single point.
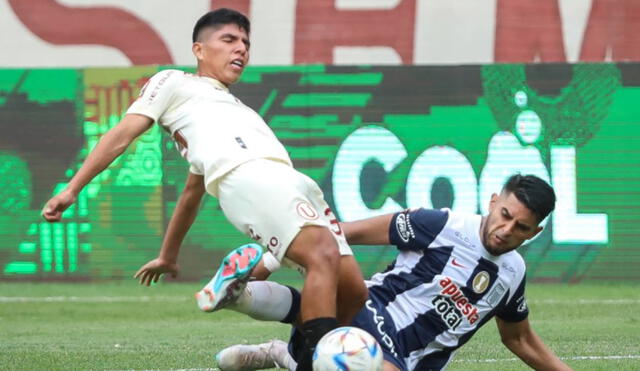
(313, 331)
(295, 306)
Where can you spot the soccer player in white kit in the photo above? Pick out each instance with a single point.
(234, 156)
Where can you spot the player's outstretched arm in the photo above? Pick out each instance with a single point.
(370, 231)
(183, 216)
(110, 146)
(520, 338)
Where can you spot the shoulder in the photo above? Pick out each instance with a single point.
(462, 216)
(515, 264)
(416, 228)
(158, 90)
(162, 81)
(429, 219)
(514, 257)
(429, 215)
(170, 72)
(166, 77)
(464, 225)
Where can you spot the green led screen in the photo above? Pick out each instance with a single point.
(377, 139)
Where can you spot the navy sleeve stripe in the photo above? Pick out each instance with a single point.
(416, 229)
(516, 309)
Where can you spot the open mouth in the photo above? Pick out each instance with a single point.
(237, 63)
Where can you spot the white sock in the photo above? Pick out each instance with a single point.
(290, 363)
(280, 355)
(264, 301)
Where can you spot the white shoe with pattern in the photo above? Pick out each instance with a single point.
(252, 357)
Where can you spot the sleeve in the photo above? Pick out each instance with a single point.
(156, 95)
(516, 309)
(416, 229)
(194, 170)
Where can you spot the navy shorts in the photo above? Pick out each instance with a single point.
(374, 321)
(371, 319)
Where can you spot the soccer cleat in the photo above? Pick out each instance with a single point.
(251, 357)
(231, 278)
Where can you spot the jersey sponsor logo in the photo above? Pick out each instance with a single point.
(447, 310)
(460, 301)
(379, 321)
(480, 282)
(466, 241)
(306, 211)
(509, 269)
(522, 307)
(158, 86)
(404, 228)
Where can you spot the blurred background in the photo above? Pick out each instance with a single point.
(387, 104)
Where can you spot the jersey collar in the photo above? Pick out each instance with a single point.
(214, 82)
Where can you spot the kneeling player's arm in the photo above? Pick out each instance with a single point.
(520, 338)
(183, 216)
(371, 231)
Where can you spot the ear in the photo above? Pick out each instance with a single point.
(196, 48)
(535, 232)
(492, 202)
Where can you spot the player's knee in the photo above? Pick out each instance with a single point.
(324, 251)
(316, 250)
(327, 258)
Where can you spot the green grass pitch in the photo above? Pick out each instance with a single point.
(124, 326)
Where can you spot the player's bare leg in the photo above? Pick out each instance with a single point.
(316, 249)
(352, 292)
(260, 272)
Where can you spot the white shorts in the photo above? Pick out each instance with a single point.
(270, 201)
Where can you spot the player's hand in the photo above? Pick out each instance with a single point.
(53, 209)
(152, 271)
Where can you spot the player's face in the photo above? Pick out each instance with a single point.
(222, 53)
(508, 224)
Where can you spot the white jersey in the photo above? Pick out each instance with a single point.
(212, 129)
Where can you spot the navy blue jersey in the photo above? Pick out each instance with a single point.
(440, 289)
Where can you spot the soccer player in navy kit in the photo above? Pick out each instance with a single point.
(453, 273)
(234, 156)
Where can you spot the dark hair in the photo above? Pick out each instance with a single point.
(220, 17)
(536, 194)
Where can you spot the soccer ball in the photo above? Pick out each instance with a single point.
(347, 349)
